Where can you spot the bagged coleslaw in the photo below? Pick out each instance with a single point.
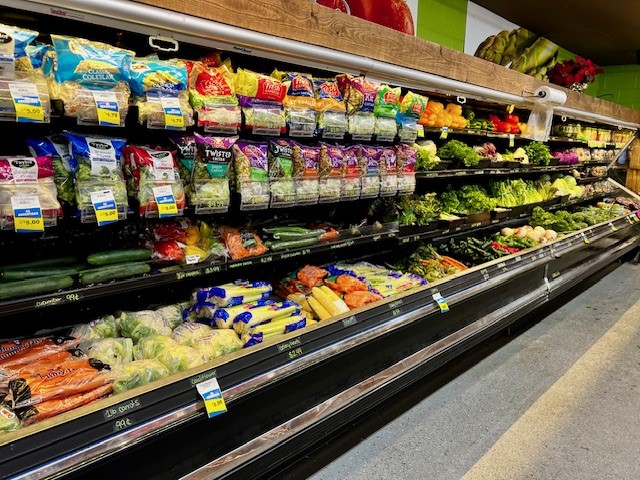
(252, 174)
(210, 188)
(261, 98)
(85, 71)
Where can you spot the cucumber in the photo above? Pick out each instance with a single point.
(105, 274)
(27, 288)
(119, 256)
(14, 275)
(49, 262)
(284, 244)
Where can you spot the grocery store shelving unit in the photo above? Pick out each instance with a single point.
(285, 395)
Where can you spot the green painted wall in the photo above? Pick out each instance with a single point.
(443, 22)
(619, 84)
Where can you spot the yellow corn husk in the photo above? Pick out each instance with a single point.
(317, 307)
(325, 301)
(271, 329)
(311, 322)
(338, 302)
(300, 299)
(308, 314)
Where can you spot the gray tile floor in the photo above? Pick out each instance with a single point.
(559, 401)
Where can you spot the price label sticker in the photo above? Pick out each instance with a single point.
(420, 131)
(27, 214)
(210, 392)
(26, 102)
(444, 132)
(108, 109)
(512, 140)
(437, 297)
(510, 109)
(105, 207)
(585, 239)
(630, 220)
(613, 227)
(192, 259)
(173, 119)
(166, 202)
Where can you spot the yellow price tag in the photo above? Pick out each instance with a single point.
(105, 207)
(420, 130)
(26, 102)
(210, 392)
(173, 118)
(27, 214)
(167, 209)
(166, 201)
(444, 307)
(512, 139)
(444, 133)
(108, 108)
(174, 121)
(106, 216)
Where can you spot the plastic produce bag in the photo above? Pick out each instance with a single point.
(181, 358)
(282, 184)
(369, 163)
(137, 325)
(173, 314)
(218, 343)
(151, 347)
(9, 421)
(331, 162)
(242, 243)
(137, 373)
(231, 294)
(211, 172)
(189, 333)
(305, 172)
(57, 147)
(24, 352)
(388, 172)
(112, 351)
(252, 174)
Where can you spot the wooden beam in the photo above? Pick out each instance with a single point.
(308, 22)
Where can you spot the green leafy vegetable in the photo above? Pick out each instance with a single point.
(457, 150)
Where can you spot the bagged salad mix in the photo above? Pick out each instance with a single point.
(85, 71)
(57, 147)
(406, 160)
(252, 174)
(351, 183)
(261, 98)
(210, 177)
(330, 168)
(299, 102)
(305, 172)
(282, 184)
(98, 164)
(388, 172)
(369, 163)
(332, 119)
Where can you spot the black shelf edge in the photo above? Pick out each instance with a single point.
(472, 172)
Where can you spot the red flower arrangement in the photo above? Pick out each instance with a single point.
(576, 74)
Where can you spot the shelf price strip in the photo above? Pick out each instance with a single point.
(166, 201)
(27, 214)
(104, 204)
(26, 102)
(210, 392)
(108, 109)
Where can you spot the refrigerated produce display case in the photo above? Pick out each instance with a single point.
(248, 263)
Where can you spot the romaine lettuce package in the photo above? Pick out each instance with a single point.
(189, 333)
(181, 358)
(57, 147)
(98, 163)
(152, 346)
(261, 98)
(283, 188)
(148, 169)
(160, 86)
(137, 325)
(252, 173)
(137, 373)
(84, 67)
(211, 172)
(330, 167)
(111, 351)
(218, 343)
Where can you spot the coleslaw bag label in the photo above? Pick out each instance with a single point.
(166, 202)
(27, 214)
(26, 102)
(210, 392)
(105, 207)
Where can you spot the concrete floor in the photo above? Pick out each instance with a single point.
(560, 401)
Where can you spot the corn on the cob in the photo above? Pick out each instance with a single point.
(261, 314)
(335, 298)
(319, 309)
(300, 299)
(224, 317)
(275, 327)
(231, 294)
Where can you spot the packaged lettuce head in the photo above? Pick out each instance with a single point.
(98, 163)
(218, 343)
(210, 177)
(9, 421)
(173, 314)
(386, 103)
(181, 358)
(147, 169)
(358, 92)
(137, 325)
(413, 105)
(13, 50)
(150, 347)
(104, 327)
(112, 351)
(252, 173)
(189, 333)
(328, 96)
(283, 189)
(57, 147)
(137, 373)
(261, 87)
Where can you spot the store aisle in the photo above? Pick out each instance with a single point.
(558, 402)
